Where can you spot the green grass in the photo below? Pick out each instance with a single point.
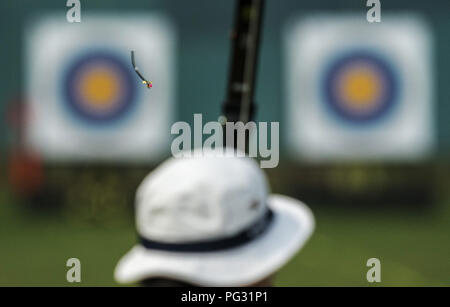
(414, 249)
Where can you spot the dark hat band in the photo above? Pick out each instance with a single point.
(248, 234)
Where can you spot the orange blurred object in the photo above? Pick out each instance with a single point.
(25, 173)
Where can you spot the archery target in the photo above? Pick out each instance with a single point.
(99, 88)
(360, 87)
(86, 101)
(359, 91)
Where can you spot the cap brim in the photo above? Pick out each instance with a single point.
(292, 226)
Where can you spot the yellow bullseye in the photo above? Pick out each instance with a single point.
(99, 88)
(360, 88)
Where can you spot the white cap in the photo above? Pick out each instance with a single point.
(209, 221)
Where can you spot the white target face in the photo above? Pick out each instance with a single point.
(359, 91)
(86, 99)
